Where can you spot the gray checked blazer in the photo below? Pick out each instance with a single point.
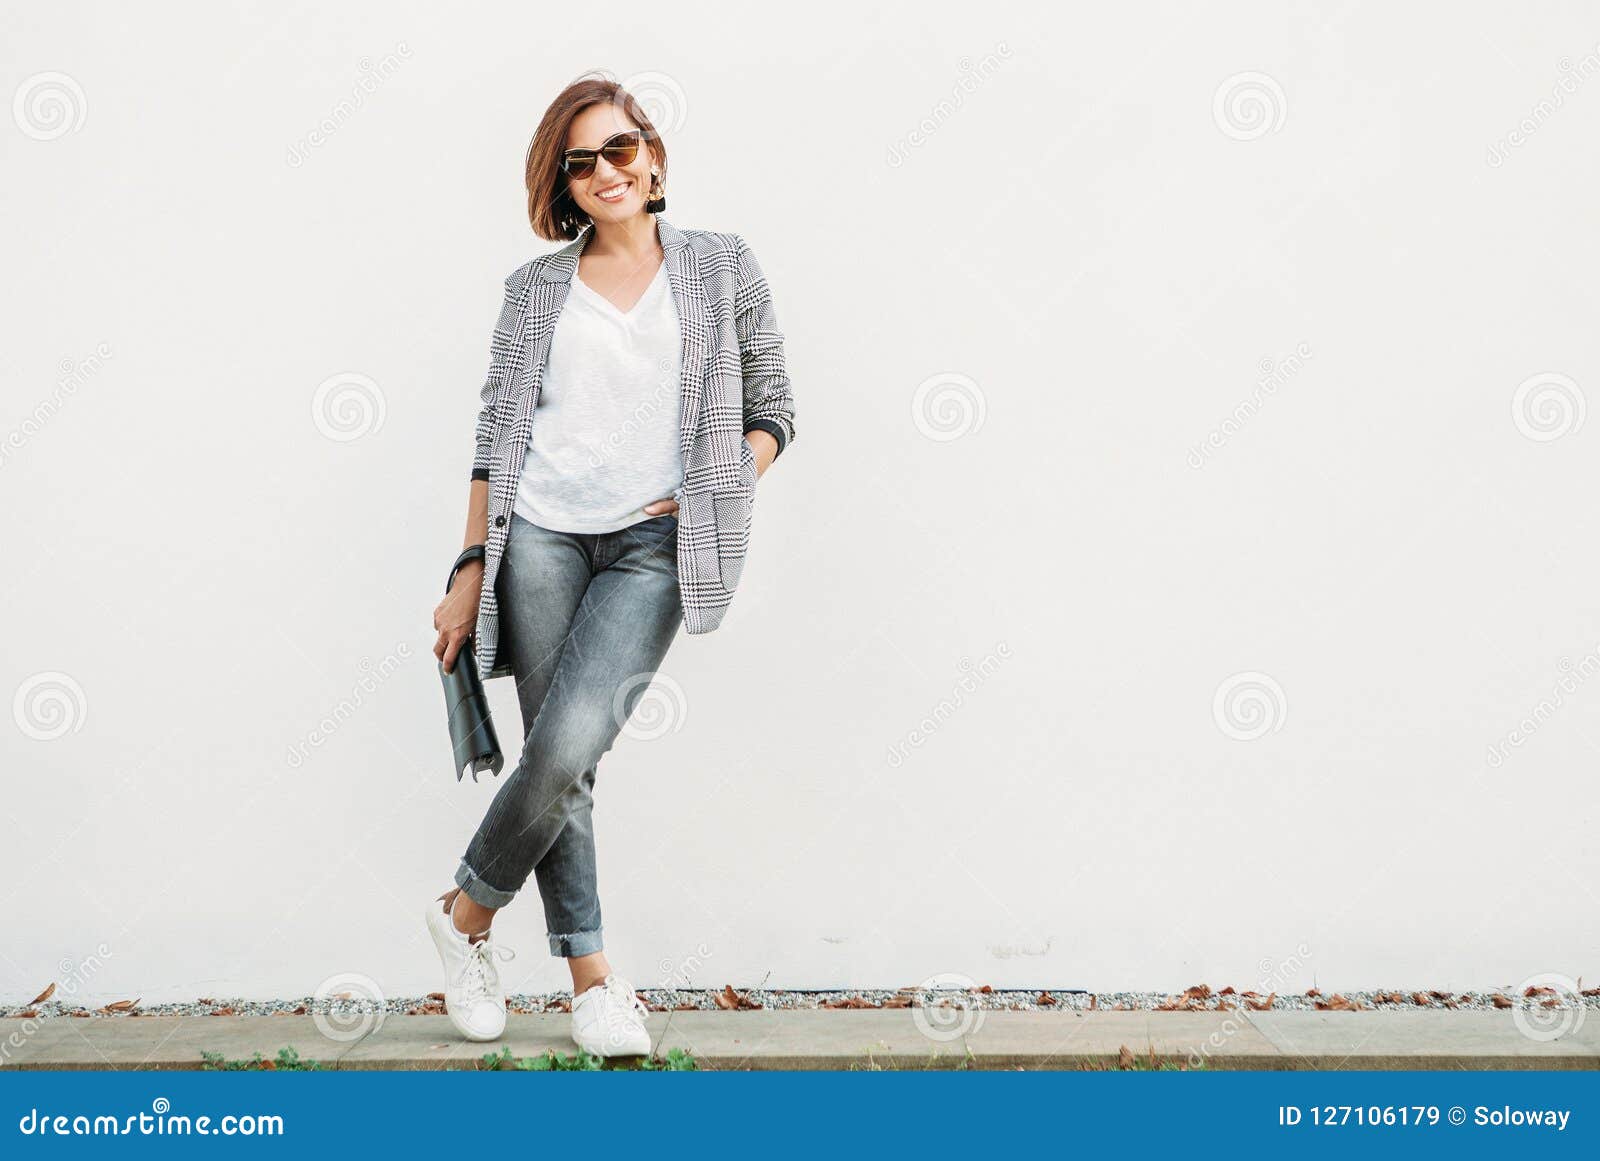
(734, 381)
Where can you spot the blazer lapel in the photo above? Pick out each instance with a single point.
(694, 329)
(549, 294)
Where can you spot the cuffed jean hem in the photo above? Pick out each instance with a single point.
(578, 943)
(479, 891)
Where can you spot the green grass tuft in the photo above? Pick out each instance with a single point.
(676, 1060)
(287, 1060)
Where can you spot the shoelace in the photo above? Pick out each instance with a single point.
(628, 1001)
(479, 966)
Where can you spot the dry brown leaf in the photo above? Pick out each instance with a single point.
(205, 1000)
(1257, 1005)
(730, 1000)
(1228, 991)
(986, 990)
(1500, 1001)
(220, 1012)
(120, 1006)
(897, 1001)
(1419, 998)
(439, 996)
(1045, 999)
(1198, 992)
(43, 996)
(1125, 1057)
(1536, 990)
(28, 1015)
(1313, 992)
(1094, 1003)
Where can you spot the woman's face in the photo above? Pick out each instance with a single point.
(609, 194)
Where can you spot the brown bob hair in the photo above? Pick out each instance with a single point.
(551, 210)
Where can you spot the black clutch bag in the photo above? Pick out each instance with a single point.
(472, 735)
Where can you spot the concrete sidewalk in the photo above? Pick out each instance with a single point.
(867, 1039)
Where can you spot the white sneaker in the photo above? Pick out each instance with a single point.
(608, 1020)
(473, 997)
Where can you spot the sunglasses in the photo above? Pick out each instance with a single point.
(619, 149)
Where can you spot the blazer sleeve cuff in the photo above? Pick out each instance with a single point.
(772, 428)
(480, 473)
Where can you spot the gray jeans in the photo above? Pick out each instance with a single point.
(587, 618)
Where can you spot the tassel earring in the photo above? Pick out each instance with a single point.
(656, 199)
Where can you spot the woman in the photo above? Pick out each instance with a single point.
(636, 392)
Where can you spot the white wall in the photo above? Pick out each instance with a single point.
(1111, 253)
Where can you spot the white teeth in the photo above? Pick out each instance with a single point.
(612, 194)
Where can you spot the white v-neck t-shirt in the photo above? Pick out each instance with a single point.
(604, 439)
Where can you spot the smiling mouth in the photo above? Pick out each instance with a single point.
(614, 193)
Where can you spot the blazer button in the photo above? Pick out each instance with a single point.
(499, 521)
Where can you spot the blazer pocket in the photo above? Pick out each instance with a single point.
(734, 508)
(733, 535)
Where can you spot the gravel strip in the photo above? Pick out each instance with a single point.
(1196, 999)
